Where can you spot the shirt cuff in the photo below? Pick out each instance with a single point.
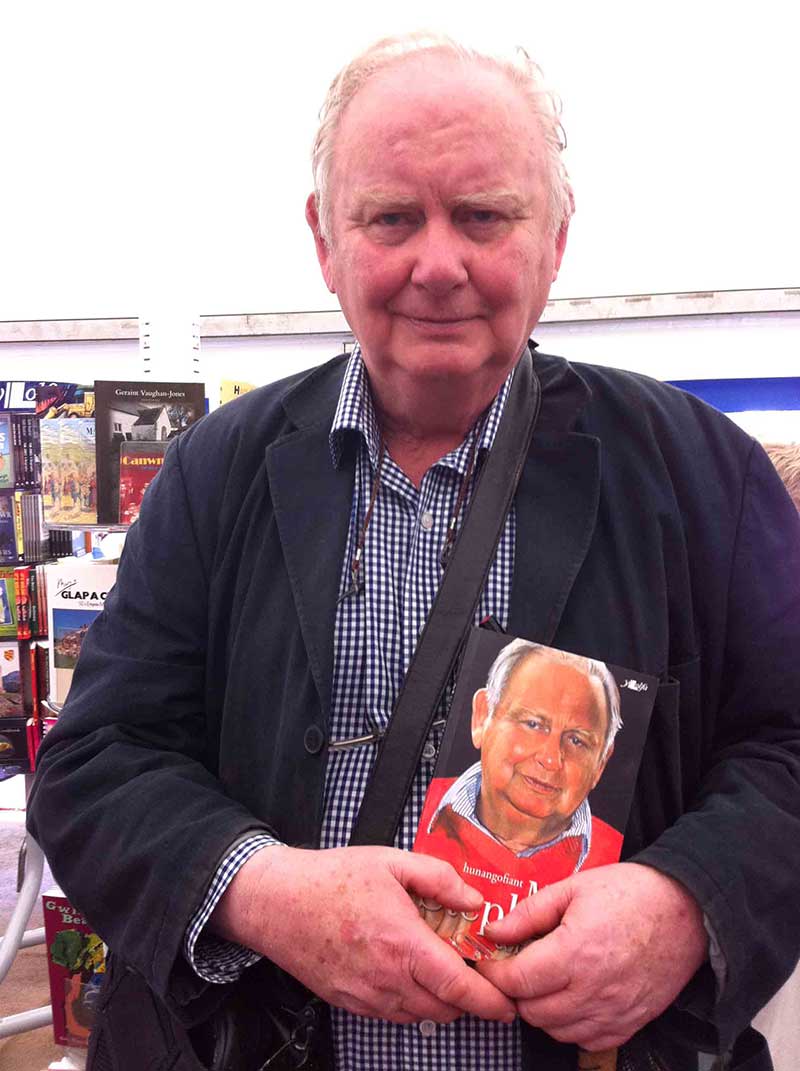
(213, 958)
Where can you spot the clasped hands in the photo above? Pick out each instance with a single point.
(615, 944)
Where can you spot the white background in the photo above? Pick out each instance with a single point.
(156, 154)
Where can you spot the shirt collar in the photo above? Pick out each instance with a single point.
(355, 412)
(462, 797)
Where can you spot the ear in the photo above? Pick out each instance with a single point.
(480, 715)
(323, 249)
(601, 768)
(561, 245)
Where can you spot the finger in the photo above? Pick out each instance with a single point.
(440, 970)
(451, 925)
(543, 968)
(536, 914)
(435, 881)
(416, 1005)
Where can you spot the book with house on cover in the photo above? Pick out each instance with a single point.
(139, 463)
(76, 592)
(136, 412)
(534, 777)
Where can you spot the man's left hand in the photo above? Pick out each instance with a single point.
(620, 943)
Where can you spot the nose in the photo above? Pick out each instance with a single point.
(548, 754)
(439, 265)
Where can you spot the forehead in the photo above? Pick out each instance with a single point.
(440, 114)
(555, 688)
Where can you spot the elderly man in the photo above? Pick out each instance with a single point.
(275, 586)
(545, 726)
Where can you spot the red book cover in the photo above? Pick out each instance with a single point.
(534, 777)
(139, 464)
(23, 602)
(76, 964)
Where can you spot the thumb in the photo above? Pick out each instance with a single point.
(537, 914)
(436, 881)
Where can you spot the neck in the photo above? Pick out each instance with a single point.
(419, 432)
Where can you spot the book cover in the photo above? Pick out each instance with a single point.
(534, 778)
(10, 681)
(76, 958)
(137, 412)
(8, 602)
(69, 478)
(14, 743)
(76, 591)
(6, 452)
(8, 531)
(139, 463)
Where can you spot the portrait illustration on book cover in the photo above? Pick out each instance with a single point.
(534, 777)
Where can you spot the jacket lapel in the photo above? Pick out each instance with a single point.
(312, 501)
(556, 505)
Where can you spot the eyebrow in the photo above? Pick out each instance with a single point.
(506, 200)
(376, 198)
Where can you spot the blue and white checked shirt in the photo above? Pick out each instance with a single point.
(462, 796)
(376, 633)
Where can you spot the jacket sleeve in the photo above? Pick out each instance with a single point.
(735, 848)
(125, 803)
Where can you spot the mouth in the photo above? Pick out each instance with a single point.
(437, 323)
(542, 787)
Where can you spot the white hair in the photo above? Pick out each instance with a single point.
(518, 67)
(519, 650)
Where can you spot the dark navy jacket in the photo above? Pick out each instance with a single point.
(650, 532)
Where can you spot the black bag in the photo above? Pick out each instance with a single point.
(248, 1031)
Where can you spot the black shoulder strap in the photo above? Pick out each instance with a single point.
(452, 614)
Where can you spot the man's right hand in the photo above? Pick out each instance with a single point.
(342, 921)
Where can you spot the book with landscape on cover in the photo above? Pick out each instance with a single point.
(67, 433)
(534, 777)
(76, 592)
(136, 412)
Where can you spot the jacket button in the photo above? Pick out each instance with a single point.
(314, 739)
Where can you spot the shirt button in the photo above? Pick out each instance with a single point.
(426, 520)
(427, 1028)
(429, 752)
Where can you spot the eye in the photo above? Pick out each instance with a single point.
(536, 724)
(392, 219)
(576, 741)
(478, 218)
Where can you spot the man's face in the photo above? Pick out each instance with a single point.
(540, 750)
(440, 252)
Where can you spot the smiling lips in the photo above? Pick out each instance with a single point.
(438, 322)
(542, 787)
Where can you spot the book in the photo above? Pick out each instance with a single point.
(8, 602)
(67, 435)
(6, 452)
(136, 412)
(534, 777)
(76, 963)
(69, 476)
(11, 705)
(8, 531)
(139, 463)
(231, 388)
(14, 743)
(76, 591)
